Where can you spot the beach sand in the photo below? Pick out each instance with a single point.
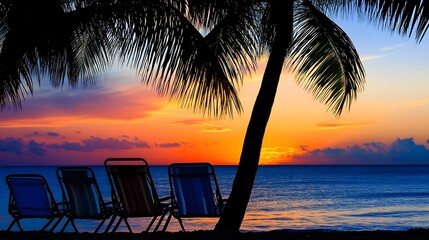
(412, 234)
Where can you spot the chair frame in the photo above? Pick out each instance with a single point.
(14, 211)
(218, 200)
(161, 205)
(106, 207)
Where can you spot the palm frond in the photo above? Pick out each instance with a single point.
(402, 16)
(325, 60)
(51, 38)
(406, 17)
(171, 54)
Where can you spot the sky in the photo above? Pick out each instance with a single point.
(121, 117)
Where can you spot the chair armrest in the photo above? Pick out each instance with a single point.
(109, 202)
(162, 199)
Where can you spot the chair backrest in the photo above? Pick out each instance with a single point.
(81, 192)
(30, 196)
(132, 186)
(194, 189)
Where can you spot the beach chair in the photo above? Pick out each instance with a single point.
(83, 198)
(31, 197)
(194, 192)
(134, 192)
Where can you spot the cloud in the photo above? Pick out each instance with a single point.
(208, 127)
(338, 125)
(371, 57)
(96, 143)
(393, 47)
(205, 126)
(12, 145)
(62, 107)
(36, 148)
(191, 122)
(52, 134)
(36, 134)
(168, 145)
(401, 151)
(18, 146)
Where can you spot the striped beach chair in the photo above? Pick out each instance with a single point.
(31, 197)
(134, 192)
(82, 194)
(194, 191)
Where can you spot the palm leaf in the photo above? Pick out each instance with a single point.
(325, 60)
(171, 54)
(406, 17)
(48, 38)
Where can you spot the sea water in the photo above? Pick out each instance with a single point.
(287, 197)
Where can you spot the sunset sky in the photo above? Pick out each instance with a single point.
(120, 117)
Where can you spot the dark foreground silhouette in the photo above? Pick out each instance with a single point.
(412, 234)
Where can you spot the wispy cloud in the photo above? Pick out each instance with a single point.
(204, 125)
(37, 134)
(59, 108)
(212, 128)
(371, 57)
(393, 47)
(96, 143)
(338, 125)
(168, 145)
(191, 122)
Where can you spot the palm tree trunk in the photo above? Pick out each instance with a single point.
(235, 208)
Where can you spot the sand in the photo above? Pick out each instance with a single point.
(412, 234)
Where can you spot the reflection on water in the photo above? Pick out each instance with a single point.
(291, 197)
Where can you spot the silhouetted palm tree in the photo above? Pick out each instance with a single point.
(326, 64)
(77, 40)
(47, 37)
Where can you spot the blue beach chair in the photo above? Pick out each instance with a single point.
(31, 197)
(82, 194)
(194, 192)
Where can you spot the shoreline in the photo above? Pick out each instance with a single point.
(411, 234)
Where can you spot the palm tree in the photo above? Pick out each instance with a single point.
(76, 40)
(326, 64)
(39, 38)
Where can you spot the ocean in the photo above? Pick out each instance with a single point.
(340, 198)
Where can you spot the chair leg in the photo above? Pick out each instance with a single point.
(151, 223)
(65, 225)
(69, 220)
(160, 220)
(99, 225)
(20, 226)
(179, 219)
(166, 222)
(56, 223)
(109, 225)
(117, 224)
(12, 223)
(128, 225)
(47, 224)
(74, 226)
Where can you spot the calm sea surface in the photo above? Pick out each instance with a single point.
(291, 197)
